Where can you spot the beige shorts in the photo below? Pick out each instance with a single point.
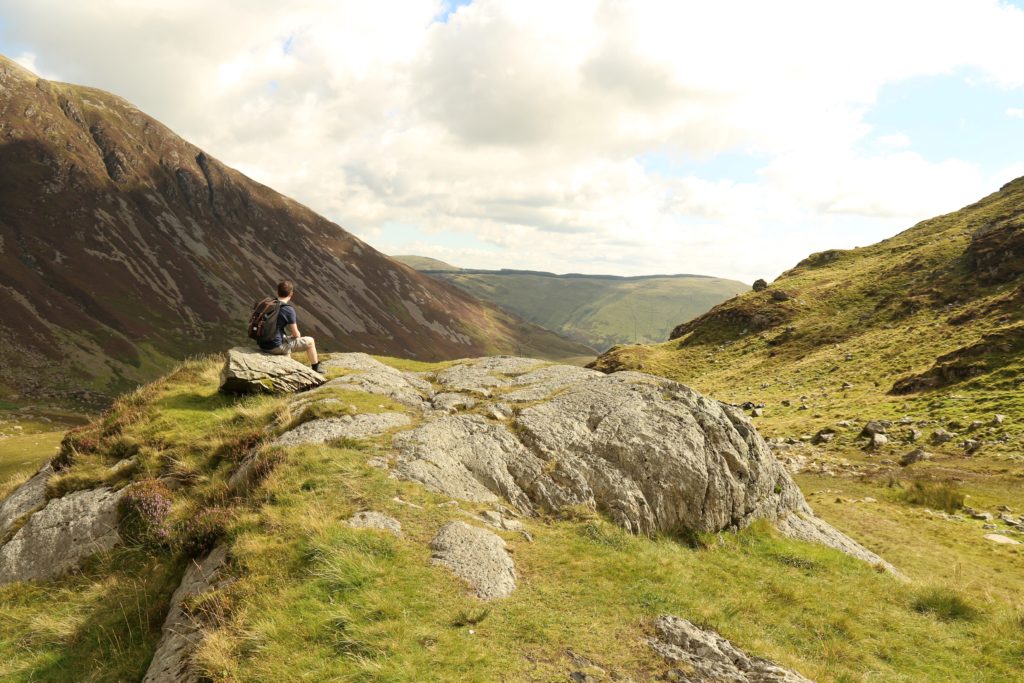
(291, 344)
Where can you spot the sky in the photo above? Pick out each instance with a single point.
(725, 138)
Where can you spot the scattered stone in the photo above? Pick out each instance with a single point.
(181, 635)
(476, 556)
(707, 656)
(912, 435)
(983, 516)
(1001, 539)
(877, 442)
(846, 386)
(26, 498)
(916, 455)
(786, 403)
(250, 371)
(971, 446)
(975, 425)
(998, 420)
(757, 412)
(346, 426)
(59, 536)
(823, 436)
(1004, 508)
(955, 425)
(781, 295)
(873, 427)
(760, 285)
(368, 519)
(941, 436)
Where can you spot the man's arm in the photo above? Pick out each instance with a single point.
(292, 330)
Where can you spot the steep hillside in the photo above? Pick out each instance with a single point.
(425, 263)
(926, 327)
(597, 310)
(123, 247)
(355, 533)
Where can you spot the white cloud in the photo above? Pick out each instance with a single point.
(1015, 112)
(519, 121)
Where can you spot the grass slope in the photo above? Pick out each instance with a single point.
(313, 599)
(597, 310)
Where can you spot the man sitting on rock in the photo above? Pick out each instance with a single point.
(287, 337)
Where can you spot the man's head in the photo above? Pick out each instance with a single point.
(285, 289)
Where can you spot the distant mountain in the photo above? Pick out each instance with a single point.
(929, 322)
(597, 310)
(123, 248)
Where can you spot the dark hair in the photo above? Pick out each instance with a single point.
(285, 288)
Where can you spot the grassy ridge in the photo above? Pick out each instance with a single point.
(317, 600)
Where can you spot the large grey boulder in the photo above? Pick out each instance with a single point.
(345, 426)
(649, 453)
(250, 371)
(62, 534)
(540, 384)
(707, 656)
(172, 661)
(482, 375)
(25, 498)
(476, 556)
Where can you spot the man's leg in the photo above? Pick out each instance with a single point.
(311, 352)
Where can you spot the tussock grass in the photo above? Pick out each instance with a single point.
(944, 495)
(946, 604)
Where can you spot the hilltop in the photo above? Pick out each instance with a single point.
(124, 248)
(929, 323)
(357, 532)
(597, 310)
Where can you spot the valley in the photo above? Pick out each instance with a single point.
(597, 310)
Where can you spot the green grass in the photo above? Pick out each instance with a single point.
(311, 598)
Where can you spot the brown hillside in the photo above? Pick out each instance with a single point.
(123, 247)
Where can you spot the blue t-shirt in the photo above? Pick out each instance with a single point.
(285, 317)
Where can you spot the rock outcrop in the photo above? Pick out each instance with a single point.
(172, 661)
(58, 537)
(708, 657)
(476, 556)
(25, 498)
(345, 426)
(650, 453)
(373, 377)
(250, 371)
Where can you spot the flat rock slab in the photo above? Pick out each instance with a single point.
(804, 526)
(172, 661)
(368, 519)
(62, 534)
(404, 388)
(250, 371)
(346, 426)
(476, 556)
(540, 384)
(707, 656)
(452, 401)
(25, 498)
(1000, 539)
(481, 375)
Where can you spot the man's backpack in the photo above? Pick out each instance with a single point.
(263, 321)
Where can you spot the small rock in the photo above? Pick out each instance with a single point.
(873, 427)
(760, 285)
(476, 556)
(998, 420)
(846, 386)
(781, 295)
(916, 455)
(757, 412)
(368, 519)
(1001, 539)
(983, 516)
(912, 435)
(786, 403)
(971, 446)
(976, 424)
(878, 441)
(823, 436)
(500, 411)
(941, 436)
